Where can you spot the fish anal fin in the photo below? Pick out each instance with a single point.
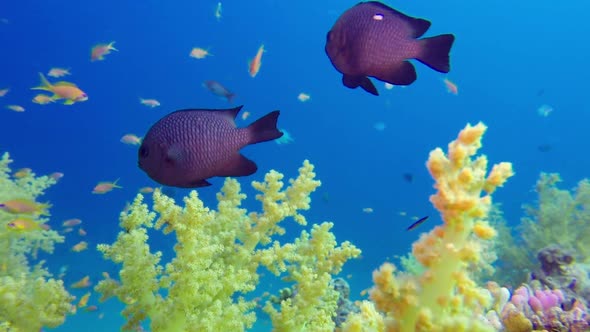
(364, 82)
(405, 74)
(69, 102)
(198, 183)
(239, 166)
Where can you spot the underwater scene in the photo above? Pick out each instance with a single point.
(298, 166)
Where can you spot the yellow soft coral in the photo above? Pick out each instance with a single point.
(217, 257)
(30, 299)
(444, 297)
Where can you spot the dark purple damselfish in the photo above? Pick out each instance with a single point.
(187, 147)
(373, 39)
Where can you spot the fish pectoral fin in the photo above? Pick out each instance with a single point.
(69, 102)
(364, 82)
(405, 74)
(239, 166)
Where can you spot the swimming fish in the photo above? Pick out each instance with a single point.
(219, 90)
(417, 223)
(25, 206)
(187, 147)
(62, 90)
(373, 39)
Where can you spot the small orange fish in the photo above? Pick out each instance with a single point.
(58, 72)
(42, 99)
(82, 283)
(303, 97)
(25, 206)
(3, 92)
(99, 51)
(71, 222)
(146, 190)
(451, 87)
(256, 62)
(91, 308)
(105, 187)
(131, 139)
(23, 224)
(62, 90)
(84, 300)
(21, 173)
(199, 53)
(149, 102)
(16, 108)
(67, 230)
(81, 232)
(80, 246)
(56, 175)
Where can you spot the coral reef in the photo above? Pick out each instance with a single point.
(29, 297)
(217, 258)
(534, 307)
(443, 297)
(559, 217)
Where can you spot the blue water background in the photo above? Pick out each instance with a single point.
(509, 58)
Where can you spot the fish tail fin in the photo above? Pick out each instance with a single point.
(435, 52)
(115, 185)
(112, 48)
(45, 85)
(265, 128)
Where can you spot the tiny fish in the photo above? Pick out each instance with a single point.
(23, 172)
(3, 92)
(373, 39)
(255, 63)
(16, 108)
(303, 97)
(58, 72)
(417, 223)
(187, 147)
(82, 283)
(149, 102)
(451, 87)
(56, 175)
(199, 53)
(131, 139)
(71, 222)
(24, 224)
(98, 52)
(80, 246)
(219, 90)
(218, 10)
(43, 99)
(105, 187)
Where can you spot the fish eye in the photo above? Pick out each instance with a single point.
(11, 225)
(144, 151)
(378, 17)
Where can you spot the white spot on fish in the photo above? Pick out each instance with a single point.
(378, 17)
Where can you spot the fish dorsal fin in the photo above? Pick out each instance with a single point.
(64, 83)
(231, 113)
(419, 26)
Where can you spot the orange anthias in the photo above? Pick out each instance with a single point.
(105, 187)
(62, 90)
(99, 51)
(254, 64)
